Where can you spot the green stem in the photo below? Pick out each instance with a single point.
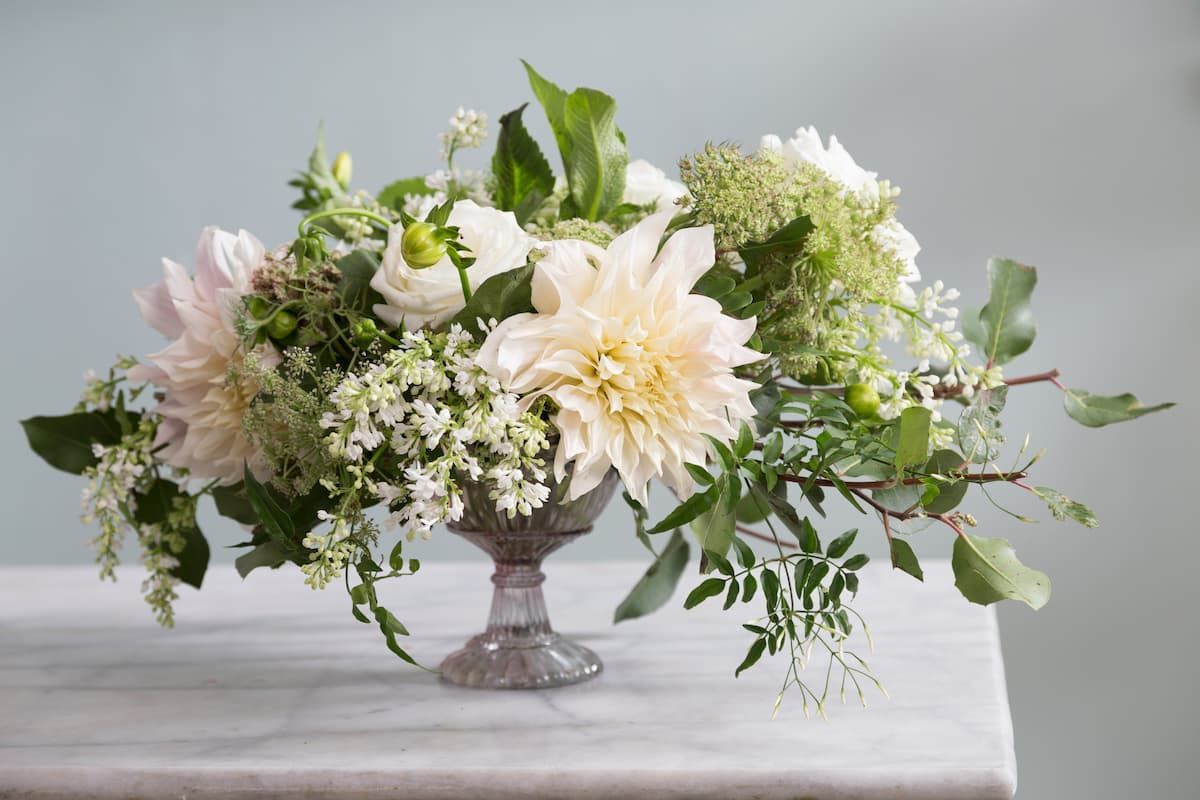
(343, 212)
(466, 284)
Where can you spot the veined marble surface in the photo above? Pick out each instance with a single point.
(267, 688)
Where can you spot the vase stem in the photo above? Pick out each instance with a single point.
(518, 616)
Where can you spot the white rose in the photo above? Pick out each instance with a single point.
(421, 298)
(646, 183)
(834, 161)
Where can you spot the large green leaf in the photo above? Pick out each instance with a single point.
(275, 521)
(553, 101)
(65, 442)
(1004, 328)
(1096, 411)
(153, 506)
(979, 426)
(987, 571)
(658, 584)
(267, 554)
(231, 503)
(354, 286)
(950, 492)
(523, 177)
(912, 436)
(598, 156)
(499, 297)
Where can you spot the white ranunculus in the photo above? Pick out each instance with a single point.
(834, 161)
(421, 298)
(646, 184)
(202, 408)
(639, 368)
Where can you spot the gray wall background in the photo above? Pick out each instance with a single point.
(1060, 134)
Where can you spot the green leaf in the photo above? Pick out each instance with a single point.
(553, 100)
(354, 286)
(687, 511)
(710, 587)
(267, 554)
(987, 571)
(394, 194)
(752, 656)
(1096, 411)
(232, 504)
(277, 524)
(979, 426)
(855, 563)
(499, 297)
(598, 157)
(841, 545)
(1004, 328)
(899, 498)
(905, 560)
(65, 442)
(658, 584)
(390, 626)
(523, 177)
(715, 527)
(1063, 507)
(949, 492)
(153, 506)
(789, 237)
(912, 436)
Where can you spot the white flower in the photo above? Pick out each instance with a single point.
(806, 148)
(203, 403)
(646, 184)
(430, 297)
(639, 368)
(834, 161)
(468, 128)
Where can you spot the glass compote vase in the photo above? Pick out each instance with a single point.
(519, 649)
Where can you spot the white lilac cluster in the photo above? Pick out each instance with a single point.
(468, 128)
(414, 424)
(462, 184)
(120, 471)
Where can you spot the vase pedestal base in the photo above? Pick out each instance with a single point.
(485, 664)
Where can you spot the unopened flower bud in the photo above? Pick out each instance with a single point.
(281, 325)
(421, 245)
(863, 399)
(343, 168)
(365, 332)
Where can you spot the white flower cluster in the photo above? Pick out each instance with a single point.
(464, 184)
(417, 422)
(468, 128)
(120, 471)
(330, 553)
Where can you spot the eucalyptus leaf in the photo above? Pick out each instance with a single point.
(658, 583)
(1096, 411)
(979, 426)
(987, 571)
(1063, 507)
(912, 436)
(1005, 327)
(949, 492)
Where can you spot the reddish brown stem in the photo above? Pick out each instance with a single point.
(973, 477)
(742, 529)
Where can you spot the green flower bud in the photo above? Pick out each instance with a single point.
(281, 325)
(863, 399)
(422, 245)
(258, 307)
(343, 168)
(365, 332)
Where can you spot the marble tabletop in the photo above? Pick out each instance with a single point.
(267, 688)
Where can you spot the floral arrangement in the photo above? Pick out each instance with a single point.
(756, 337)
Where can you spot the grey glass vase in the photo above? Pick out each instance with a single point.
(519, 649)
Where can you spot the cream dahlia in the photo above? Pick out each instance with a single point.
(203, 396)
(639, 368)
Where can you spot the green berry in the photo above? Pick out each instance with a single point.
(863, 399)
(281, 325)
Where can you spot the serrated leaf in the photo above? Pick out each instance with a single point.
(1005, 327)
(1063, 507)
(553, 101)
(979, 426)
(597, 157)
(1096, 411)
(912, 436)
(657, 585)
(499, 297)
(987, 571)
(905, 560)
(523, 178)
